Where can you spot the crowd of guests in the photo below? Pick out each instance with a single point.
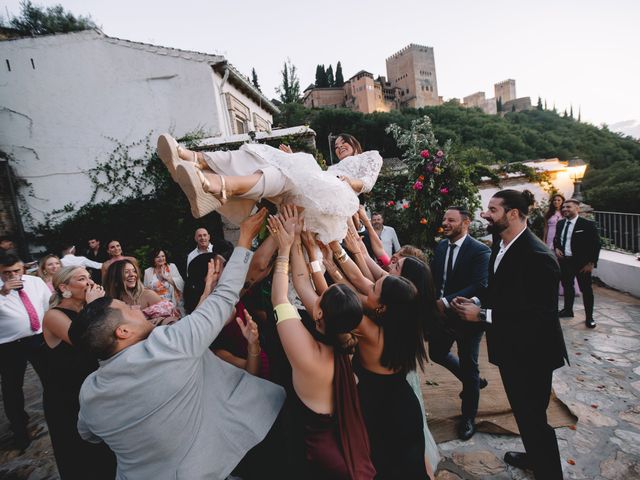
(298, 360)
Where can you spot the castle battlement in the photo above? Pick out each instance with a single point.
(411, 46)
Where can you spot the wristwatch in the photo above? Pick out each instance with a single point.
(483, 315)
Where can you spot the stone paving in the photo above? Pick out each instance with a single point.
(602, 387)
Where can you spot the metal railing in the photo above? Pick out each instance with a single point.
(621, 230)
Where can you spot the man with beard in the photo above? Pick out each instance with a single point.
(459, 269)
(524, 338)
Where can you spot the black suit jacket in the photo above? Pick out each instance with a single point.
(585, 241)
(523, 297)
(469, 275)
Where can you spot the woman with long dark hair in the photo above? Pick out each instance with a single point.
(551, 219)
(122, 282)
(232, 181)
(391, 346)
(336, 442)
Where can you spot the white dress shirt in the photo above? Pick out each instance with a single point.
(70, 260)
(195, 252)
(390, 241)
(458, 243)
(14, 319)
(570, 225)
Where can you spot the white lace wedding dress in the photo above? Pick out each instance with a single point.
(296, 178)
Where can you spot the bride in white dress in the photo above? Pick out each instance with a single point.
(231, 182)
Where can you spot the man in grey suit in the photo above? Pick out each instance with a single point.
(165, 405)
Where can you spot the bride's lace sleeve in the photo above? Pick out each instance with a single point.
(364, 166)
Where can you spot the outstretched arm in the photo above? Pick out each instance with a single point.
(353, 273)
(300, 347)
(193, 335)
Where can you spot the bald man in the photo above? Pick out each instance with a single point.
(203, 245)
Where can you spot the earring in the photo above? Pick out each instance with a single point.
(379, 310)
(66, 294)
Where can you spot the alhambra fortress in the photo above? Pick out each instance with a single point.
(411, 81)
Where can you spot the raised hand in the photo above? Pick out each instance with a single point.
(250, 227)
(93, 292)
(214, 270)
(351, 241)
(283, 238)
(250, 329)
(290, 217)
(285, 148)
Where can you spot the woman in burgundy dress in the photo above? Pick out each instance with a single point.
(336, 442)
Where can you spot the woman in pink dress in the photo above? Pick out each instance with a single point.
(551, 219)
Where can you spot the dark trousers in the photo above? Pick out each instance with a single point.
(570, 269)
(13, 363)
(464, 366)
(528, 389)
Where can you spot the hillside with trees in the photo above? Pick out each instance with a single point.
(612, 181)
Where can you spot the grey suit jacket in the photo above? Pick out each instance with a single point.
(171, 409)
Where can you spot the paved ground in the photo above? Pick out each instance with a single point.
(602, 387)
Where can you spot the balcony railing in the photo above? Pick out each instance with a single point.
(621, 230)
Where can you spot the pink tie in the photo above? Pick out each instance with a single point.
(33, 315)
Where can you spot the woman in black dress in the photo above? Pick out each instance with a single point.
(67, 368)
(391, 344)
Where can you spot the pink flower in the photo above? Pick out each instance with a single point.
(405, 206)
(439, 153)
(390, 203)
(444, 191)
(418, 185)
(424, 153)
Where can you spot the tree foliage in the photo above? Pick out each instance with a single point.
(491, 139)
(289, 89)
(38, 20)
(339, 76)
(254, 79)
(330, 80)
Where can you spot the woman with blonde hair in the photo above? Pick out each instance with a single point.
(67, 368)
(47, 267)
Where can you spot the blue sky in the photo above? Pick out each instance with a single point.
(581, 53)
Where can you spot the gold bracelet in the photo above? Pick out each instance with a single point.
(254, 354)
(341, 257)
(338, 275)
(285, 311)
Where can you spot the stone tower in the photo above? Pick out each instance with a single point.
(413, 71)
(505, 90)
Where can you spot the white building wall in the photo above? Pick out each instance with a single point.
(561, 181)
(61, 114)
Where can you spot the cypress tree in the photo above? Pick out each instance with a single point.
(330, 80)
(254, 79)
(339, 78)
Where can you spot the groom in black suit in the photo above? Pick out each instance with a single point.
(459, 269)
(577, 245)
(524, 338)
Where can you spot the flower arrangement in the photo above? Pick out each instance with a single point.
(435, 182)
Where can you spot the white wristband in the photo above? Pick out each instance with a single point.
(315, 266)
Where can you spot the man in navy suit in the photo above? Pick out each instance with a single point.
(524, 337)
(460, 269)
(577, 245)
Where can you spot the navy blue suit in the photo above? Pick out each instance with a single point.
(467, 279)
(585, 248)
